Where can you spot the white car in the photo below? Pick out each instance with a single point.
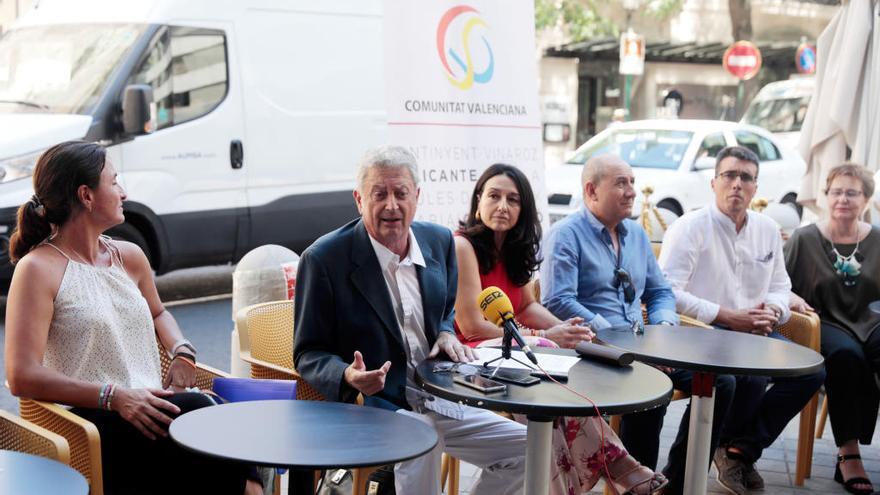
(677, 159)
(780, 107)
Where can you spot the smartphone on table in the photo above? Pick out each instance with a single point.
(480, 383)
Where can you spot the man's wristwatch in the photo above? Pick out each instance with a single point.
(185, 344)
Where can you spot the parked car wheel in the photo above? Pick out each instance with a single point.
(671, 205)
(130, 233)
(791, 199)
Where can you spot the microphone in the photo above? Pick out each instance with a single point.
(497, 308)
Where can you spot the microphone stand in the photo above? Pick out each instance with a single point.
(506, 344)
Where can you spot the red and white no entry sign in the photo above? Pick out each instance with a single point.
(742, 59)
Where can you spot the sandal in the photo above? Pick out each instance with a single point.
(634, 479)
(850, 484)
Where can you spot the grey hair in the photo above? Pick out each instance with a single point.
(387, 157)
(596, 167)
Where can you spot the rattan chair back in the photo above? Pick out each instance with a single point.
(21, 435)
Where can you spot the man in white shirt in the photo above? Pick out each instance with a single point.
(374, 299)
(724, 263)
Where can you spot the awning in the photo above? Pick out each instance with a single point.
(775, 54)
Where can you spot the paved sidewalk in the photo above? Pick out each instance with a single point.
(777, 465)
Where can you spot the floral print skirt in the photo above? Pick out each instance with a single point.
(578, 458)
(583, 447)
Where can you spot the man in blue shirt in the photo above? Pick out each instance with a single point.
(599, 265)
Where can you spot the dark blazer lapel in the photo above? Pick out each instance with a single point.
(432, 283)
(367, 277)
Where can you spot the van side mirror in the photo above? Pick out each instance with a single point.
(136, 109)
(704, 162)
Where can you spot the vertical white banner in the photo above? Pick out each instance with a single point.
(462, 94)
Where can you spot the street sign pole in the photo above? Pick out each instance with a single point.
(627, 87)
(740, 98)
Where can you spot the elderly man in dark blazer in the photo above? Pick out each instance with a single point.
(374, 298)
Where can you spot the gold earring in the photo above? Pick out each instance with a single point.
(477, 216)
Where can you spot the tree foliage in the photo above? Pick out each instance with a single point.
(583, 19)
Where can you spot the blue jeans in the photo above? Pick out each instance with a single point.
(758, 414)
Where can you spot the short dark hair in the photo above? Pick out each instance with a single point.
(738, 152)
(520, 251)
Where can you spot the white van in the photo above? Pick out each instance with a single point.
(242, 121)
(780, 107)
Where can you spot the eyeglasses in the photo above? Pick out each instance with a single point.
(621, 277)
(849, 193)
(731, 176)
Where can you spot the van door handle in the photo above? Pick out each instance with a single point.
(236, 154)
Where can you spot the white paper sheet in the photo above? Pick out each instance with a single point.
(553, 363)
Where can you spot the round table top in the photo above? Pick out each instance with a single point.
(714, 350)
(303, 434)
(614, 389)
(35, 475)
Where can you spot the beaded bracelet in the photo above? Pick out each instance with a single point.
(105, 395)
(102, 394)
(110, 397)
(530, 331)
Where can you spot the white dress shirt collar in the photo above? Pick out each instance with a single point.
(385, 255)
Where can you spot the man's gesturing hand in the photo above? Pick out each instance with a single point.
(366, 382)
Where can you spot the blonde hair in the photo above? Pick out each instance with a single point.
(850, 169)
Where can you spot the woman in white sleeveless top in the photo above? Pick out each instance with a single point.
(82, 319)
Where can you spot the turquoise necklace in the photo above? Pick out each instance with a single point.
(847, 268)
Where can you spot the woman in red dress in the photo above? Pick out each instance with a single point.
(498, 244)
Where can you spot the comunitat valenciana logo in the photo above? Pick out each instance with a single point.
(464, 51)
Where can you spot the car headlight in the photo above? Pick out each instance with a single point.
(18, 167)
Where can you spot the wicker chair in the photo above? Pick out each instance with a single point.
(265, 335)
(803, 329)
(21, 435)
(82, 436)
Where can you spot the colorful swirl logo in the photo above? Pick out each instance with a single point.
(464, 75)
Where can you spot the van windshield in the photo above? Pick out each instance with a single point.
(61, 68)
(778, 115)
(645, 148)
